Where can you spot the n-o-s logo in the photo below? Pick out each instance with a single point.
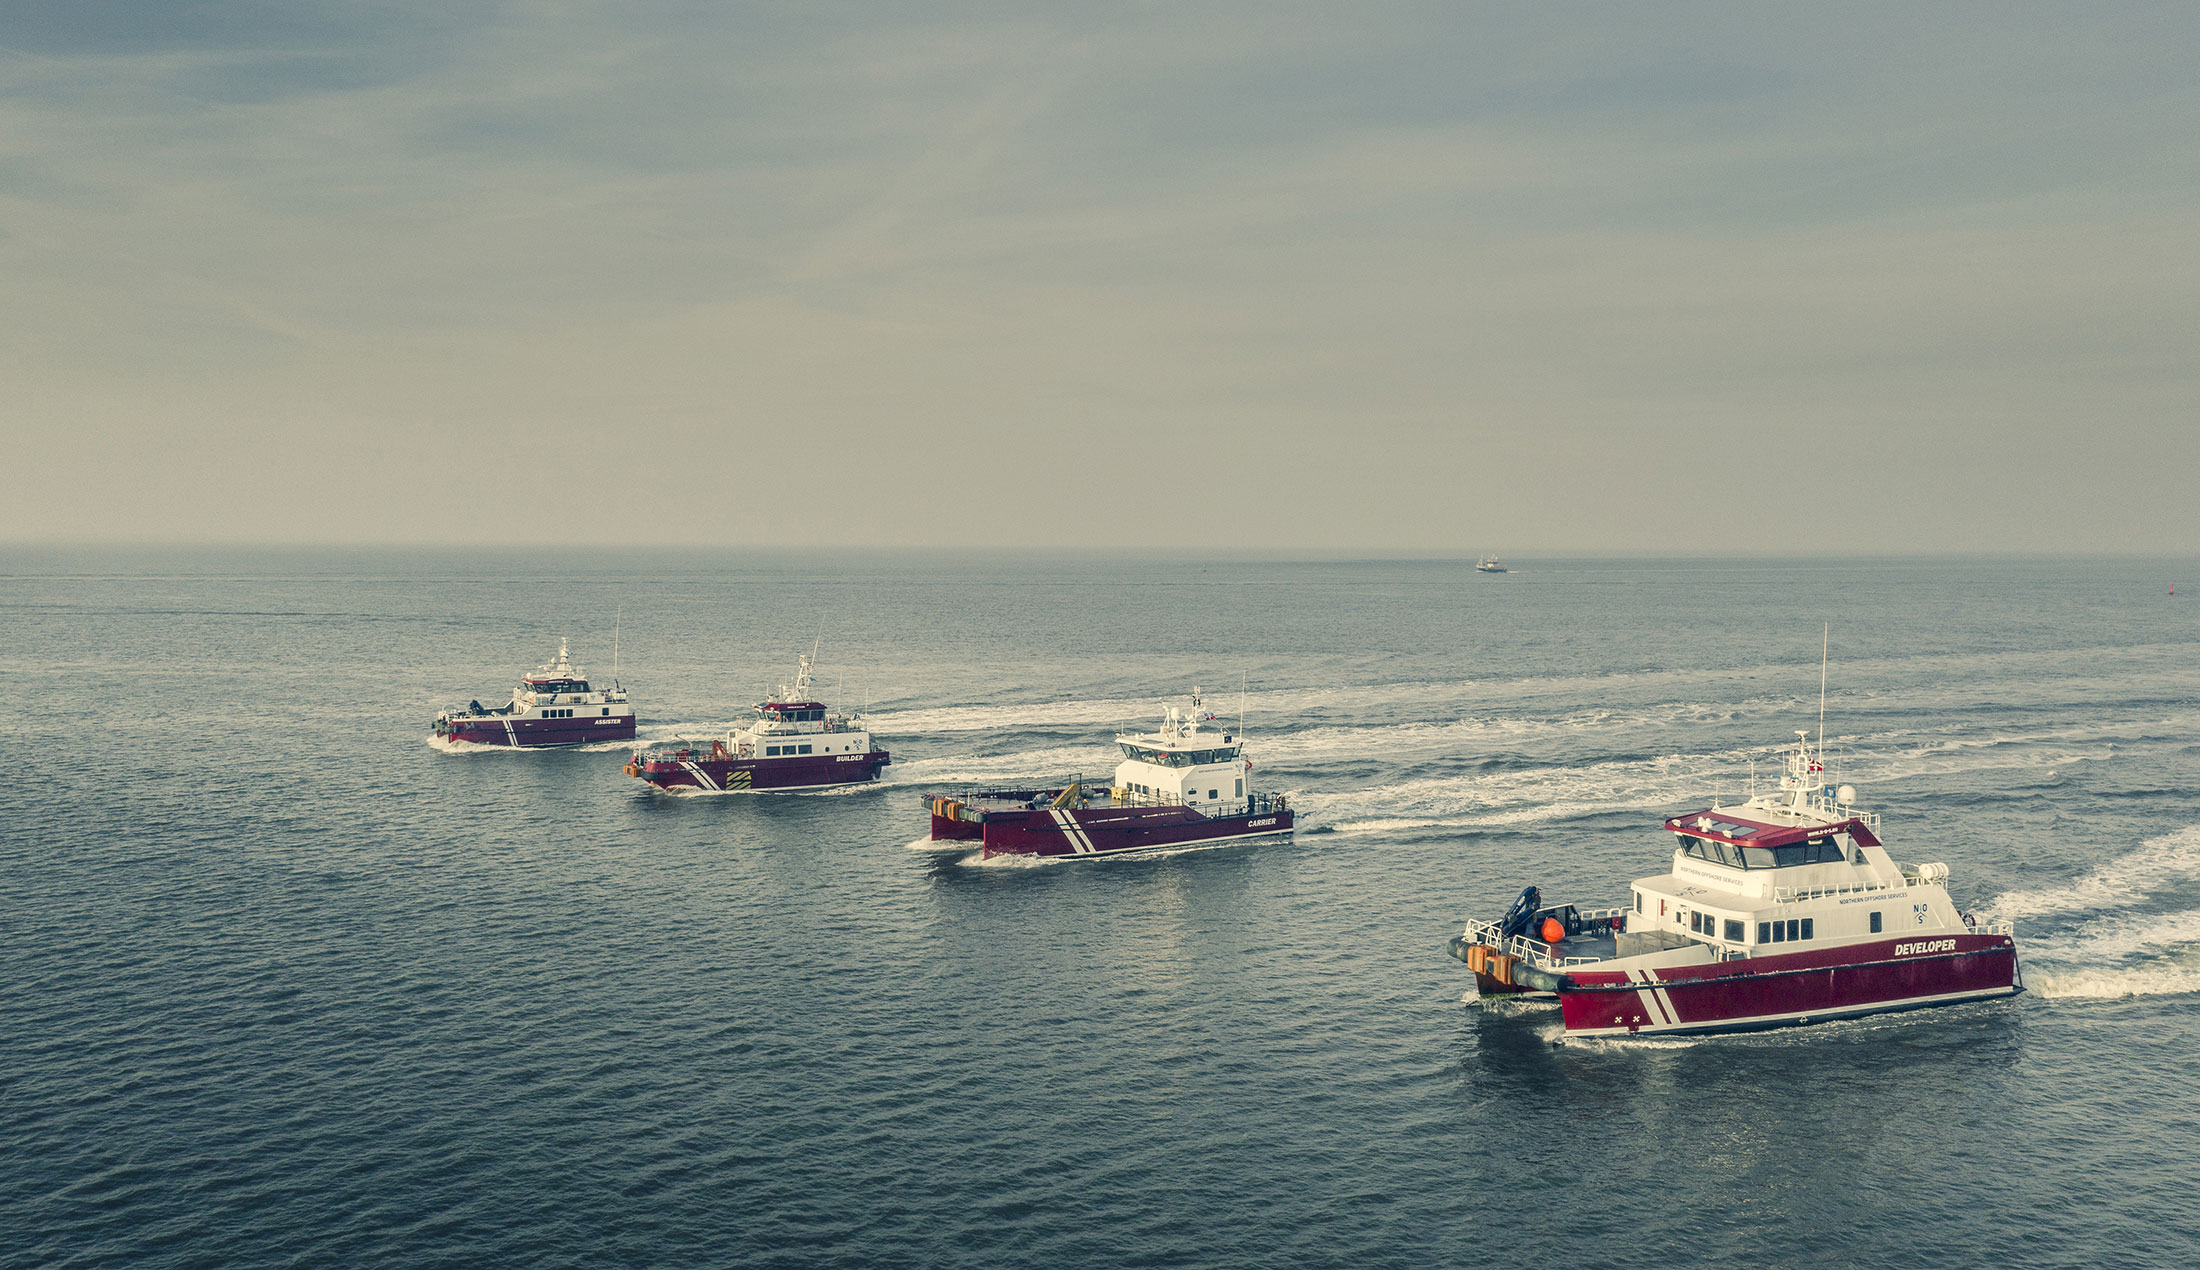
(1926, 946)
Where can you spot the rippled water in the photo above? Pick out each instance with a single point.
(283, 982)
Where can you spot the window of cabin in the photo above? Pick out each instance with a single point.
(607, 711)
(1214, 793)
(1794, 929)
(1734, 933)
(1806, 927)
(1756, 858)
(1695, 922)
(1779, 932)
(1764, 932)
(1638, 901)
(771, 751)
(805, 749)
(1875, 923)
(1240, 790)
(1788, 856)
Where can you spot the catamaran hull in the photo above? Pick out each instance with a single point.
(1105, 830)
(535, 733)
(728, 775)
(1788, 989)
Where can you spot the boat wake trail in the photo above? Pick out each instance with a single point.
(2122, 949)
(2120, 883)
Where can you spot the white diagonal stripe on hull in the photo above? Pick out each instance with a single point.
(1078, 842)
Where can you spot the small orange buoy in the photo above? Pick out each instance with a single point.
(1553, 930)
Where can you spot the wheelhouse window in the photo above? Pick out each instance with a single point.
(1733, 931)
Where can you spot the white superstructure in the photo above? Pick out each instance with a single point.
(1185, 762)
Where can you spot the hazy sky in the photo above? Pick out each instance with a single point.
(1443, 277)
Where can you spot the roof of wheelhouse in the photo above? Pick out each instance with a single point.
(1725, 826)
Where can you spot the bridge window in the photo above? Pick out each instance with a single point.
(1779, 932)
(1734, 931)
(1806, 927)
(1764, 932)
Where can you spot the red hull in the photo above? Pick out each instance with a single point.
(537, 733)
(1113, 830)
(701, 771)
(1790, 988)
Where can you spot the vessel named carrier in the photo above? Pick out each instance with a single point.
(1786, 909)
(1184, 785)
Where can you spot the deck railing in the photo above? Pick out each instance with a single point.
(1534, 950)
(1912, 875)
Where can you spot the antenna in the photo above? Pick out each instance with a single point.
(1825, 645)
(1241, 705)
(615, 620)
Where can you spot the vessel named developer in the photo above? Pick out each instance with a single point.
(1785, 909)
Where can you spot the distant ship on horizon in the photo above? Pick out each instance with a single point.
(1488, 564)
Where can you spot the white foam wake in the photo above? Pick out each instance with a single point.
(2123, 950)
(2174, 977)
(2167, 860)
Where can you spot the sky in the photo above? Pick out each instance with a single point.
(1438, 278)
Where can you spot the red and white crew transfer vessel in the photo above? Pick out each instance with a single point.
(1183, 786)
(1783, 910)
(793, 743)
(553, 705)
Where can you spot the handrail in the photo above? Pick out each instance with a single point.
(1535, 950)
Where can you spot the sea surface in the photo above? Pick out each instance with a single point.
(282, 982)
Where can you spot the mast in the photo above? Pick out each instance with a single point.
(1825, 645)
(615, 620)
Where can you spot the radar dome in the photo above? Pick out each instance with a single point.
(1847, 793)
